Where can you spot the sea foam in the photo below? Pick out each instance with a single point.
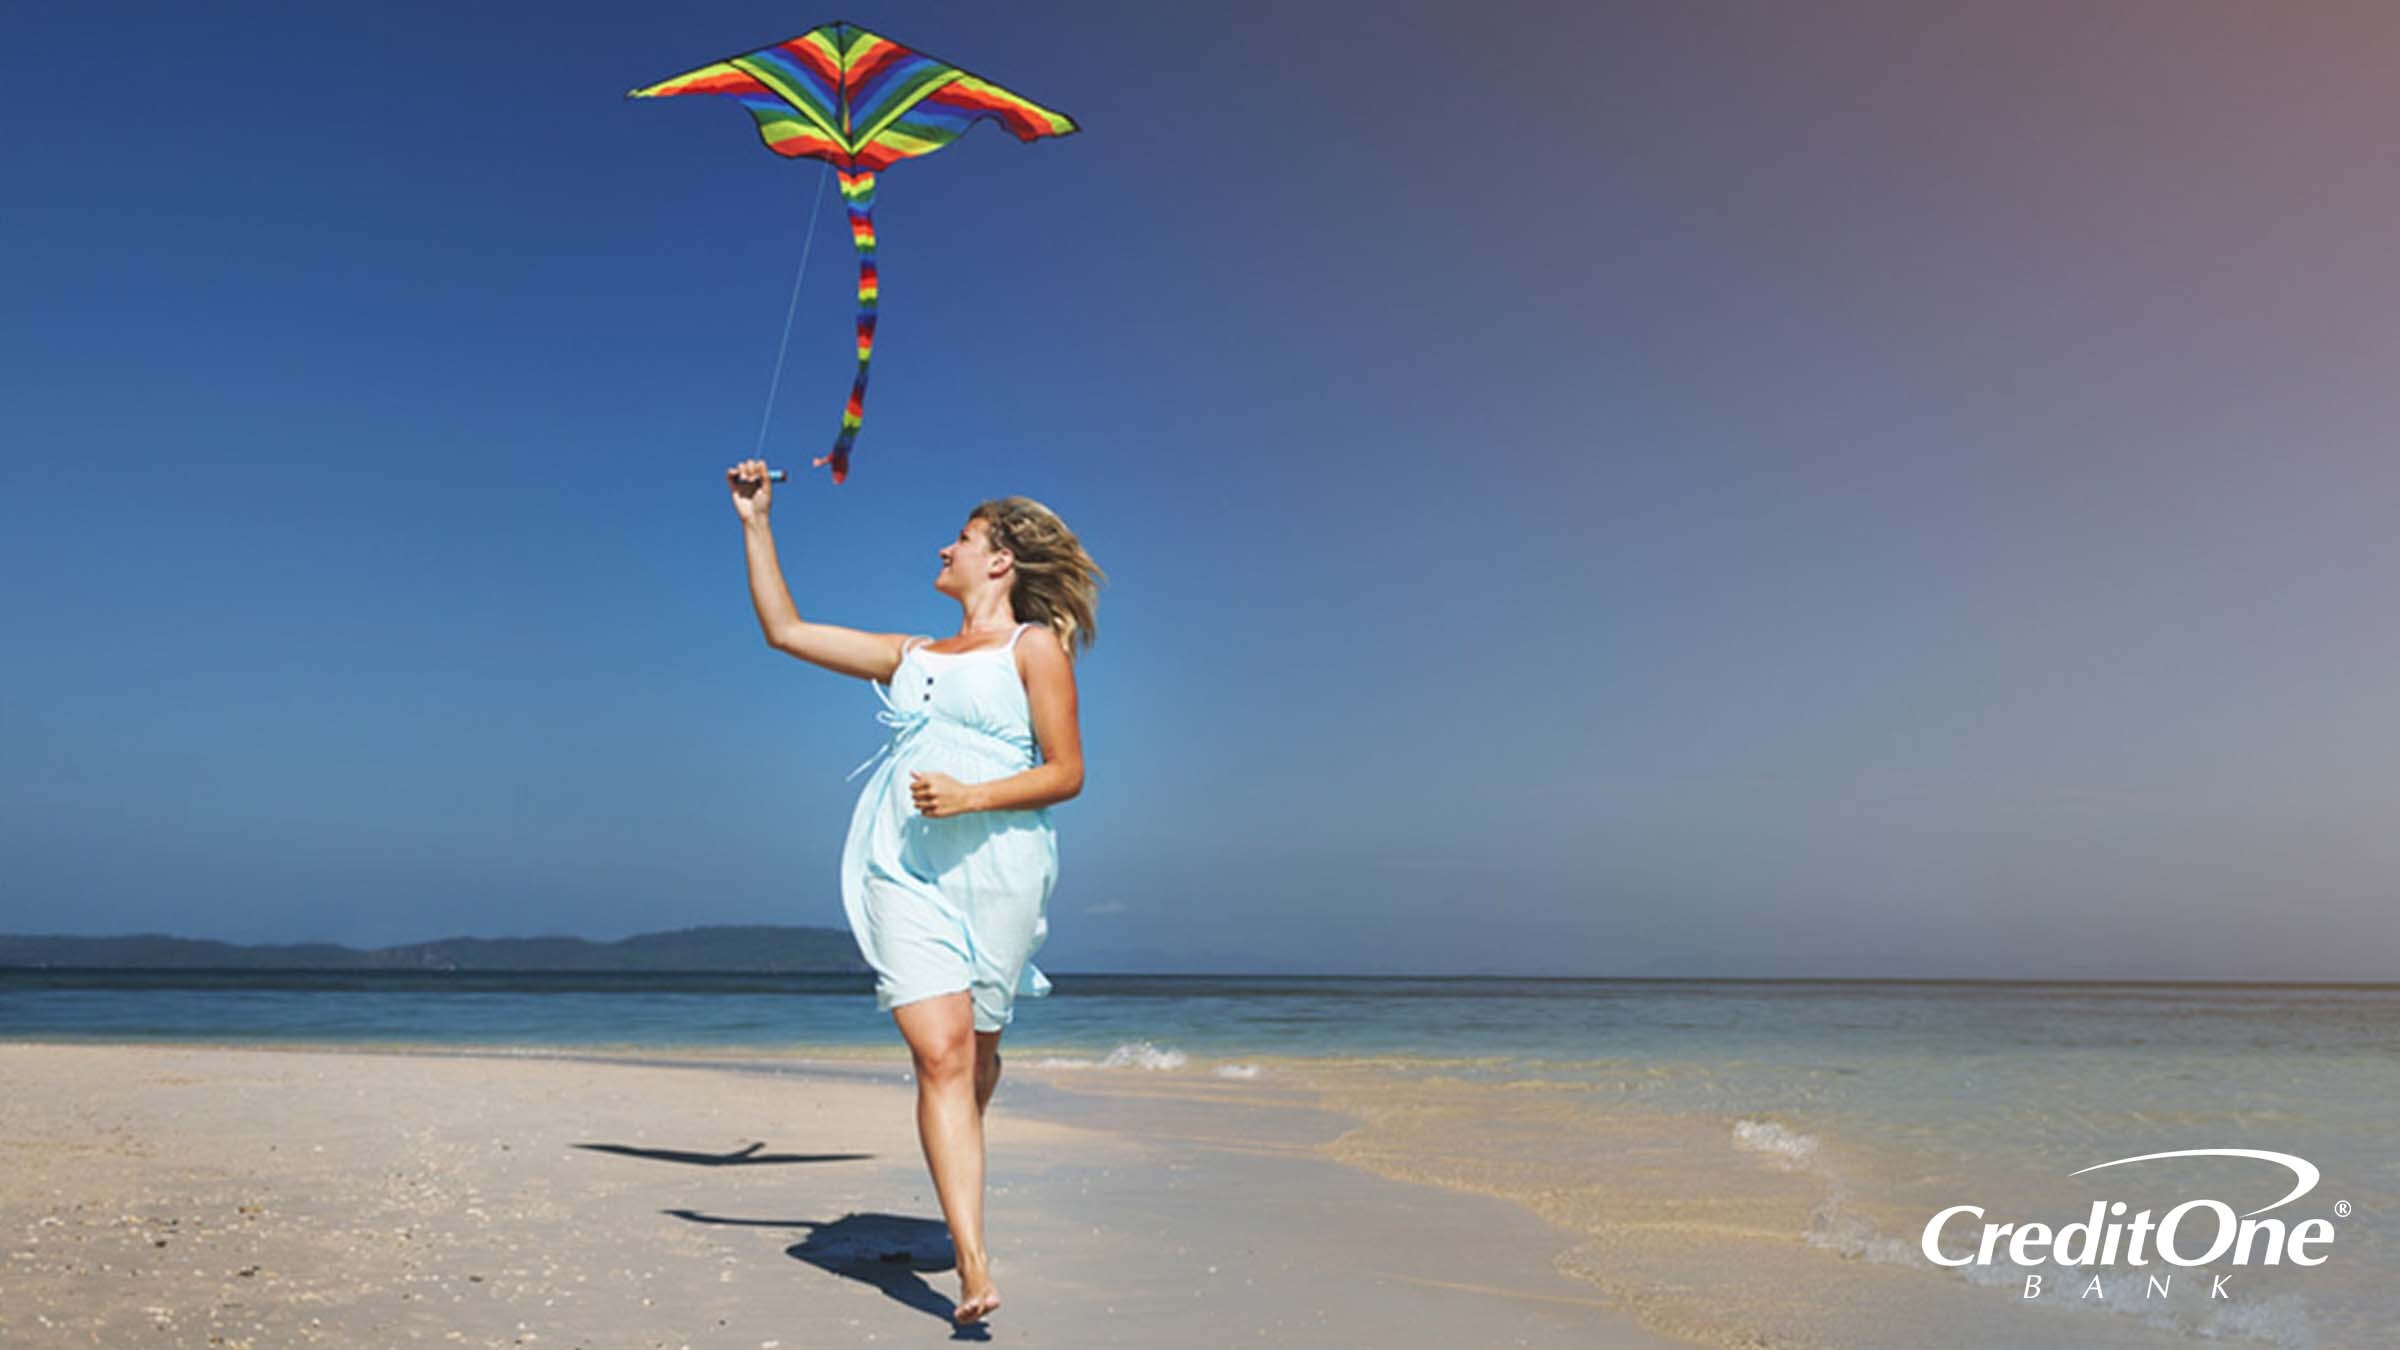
(1779, 1144)
(1129, 1055)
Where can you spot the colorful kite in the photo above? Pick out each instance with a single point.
(861, 103)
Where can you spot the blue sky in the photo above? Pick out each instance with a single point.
(1643, 489)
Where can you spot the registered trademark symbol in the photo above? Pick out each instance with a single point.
(2341, 1209)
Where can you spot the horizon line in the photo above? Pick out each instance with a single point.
(2021, 981)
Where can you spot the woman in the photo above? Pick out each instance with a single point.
(951, 857)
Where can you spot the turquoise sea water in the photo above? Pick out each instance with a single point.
(1219, 1015)
(1886, 1099)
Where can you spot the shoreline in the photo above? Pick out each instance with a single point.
(269, 1195)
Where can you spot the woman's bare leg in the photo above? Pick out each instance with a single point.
(941, 1040)
(987, 1068)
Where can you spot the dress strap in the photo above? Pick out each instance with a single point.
(1012, 642)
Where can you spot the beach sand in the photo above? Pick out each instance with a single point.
(267, 1197)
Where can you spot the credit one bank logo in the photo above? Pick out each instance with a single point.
(2108, 1237)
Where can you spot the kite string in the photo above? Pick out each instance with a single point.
(806, 248)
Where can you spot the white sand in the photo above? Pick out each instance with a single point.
(171, 1196)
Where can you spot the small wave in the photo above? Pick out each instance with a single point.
(1237, 1071)
(1780, 1145)
(1131, 1055)
(1832, 1226)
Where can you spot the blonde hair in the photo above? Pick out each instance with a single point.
(1057, 582)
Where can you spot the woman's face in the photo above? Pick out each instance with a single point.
(967, 561)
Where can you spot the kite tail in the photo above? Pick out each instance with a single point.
(858, 194)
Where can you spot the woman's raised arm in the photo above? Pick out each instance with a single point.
(845, 651)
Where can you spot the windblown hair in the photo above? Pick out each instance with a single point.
(1057, 583)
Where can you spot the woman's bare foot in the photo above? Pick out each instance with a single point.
(977, 1297)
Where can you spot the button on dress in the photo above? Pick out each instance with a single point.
(940, 904)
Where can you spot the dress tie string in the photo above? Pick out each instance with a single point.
(905, 722)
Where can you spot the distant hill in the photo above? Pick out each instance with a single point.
(760, 949)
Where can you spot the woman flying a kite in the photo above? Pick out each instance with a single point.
(950, 857)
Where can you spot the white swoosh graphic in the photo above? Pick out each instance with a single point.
(2302, 1168)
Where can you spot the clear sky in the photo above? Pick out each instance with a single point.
(1668, 488)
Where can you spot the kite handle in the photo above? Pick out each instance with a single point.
(776, 475)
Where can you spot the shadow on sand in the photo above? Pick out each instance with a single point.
(882, 1250)
(743, 1157)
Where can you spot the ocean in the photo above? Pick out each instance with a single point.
(1741, 1162)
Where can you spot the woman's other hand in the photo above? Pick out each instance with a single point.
(752, 493)
(938, 794)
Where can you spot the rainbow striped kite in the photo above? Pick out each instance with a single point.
(861, 103)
